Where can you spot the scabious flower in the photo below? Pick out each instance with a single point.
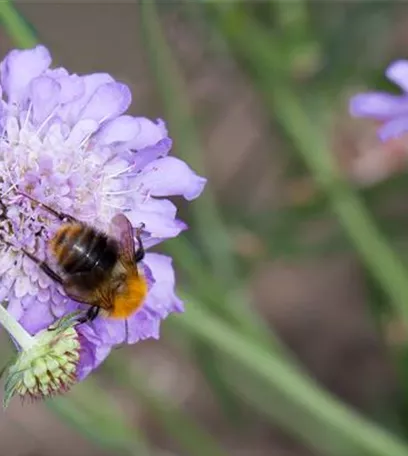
(390, 110)
(65, 140)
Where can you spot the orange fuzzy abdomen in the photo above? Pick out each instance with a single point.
(128, 302)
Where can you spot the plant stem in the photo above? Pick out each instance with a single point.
(14, 328)
(16, 26)
(323, 411)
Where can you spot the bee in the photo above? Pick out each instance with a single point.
(96, 269)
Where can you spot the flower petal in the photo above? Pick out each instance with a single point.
(84, 128)
(170, 176)
(157, 224)
(150, 133)
(398, 72)
(16, 308)
(72, 86)
(110, 331)
(141, 326)
(20, 67)
(70, 111)
(109, 100)
(37, 317)
(45, 94)
(378, 105)
(162, 299)
(93, 351)
(394, 128)
(151, 153)
(121, 129)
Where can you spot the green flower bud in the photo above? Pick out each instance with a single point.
(48, 366)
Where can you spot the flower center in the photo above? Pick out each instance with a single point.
(53, 168)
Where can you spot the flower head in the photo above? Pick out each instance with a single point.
(390, 110)
(65, 141)
(46, 364)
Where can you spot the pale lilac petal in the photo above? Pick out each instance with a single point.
(151, 153)
(44, 94)
(83, 129)
(170, 176)
(56, 73)
(20, 67)
(398, 72)
(110, 331)
(163, 127)
(148, 275)
(70, 111)
(394, 128)
(377, 105)
(93, 351)
(161, 206)
(157, 224)
(15, 307)
(121, 129)
(142, 326)
(72, 86)
(108, 101)
(162, 298)
(150, 134)
(37, 317)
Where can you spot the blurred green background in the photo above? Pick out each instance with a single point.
(294, 270)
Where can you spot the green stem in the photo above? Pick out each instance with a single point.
(262, 55)
(14, 328)
(170, 84)
(16, 26)
(293, 386)
(358, 223)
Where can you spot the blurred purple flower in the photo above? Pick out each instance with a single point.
(390, 110)
(66, 141)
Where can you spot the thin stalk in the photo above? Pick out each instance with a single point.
(262, 57)
(13, 327)
(296, 388)
(16, 25)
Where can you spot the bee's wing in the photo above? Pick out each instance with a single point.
(123, 231)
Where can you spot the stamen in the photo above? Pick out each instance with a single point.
(86, 139)
(8, 172)
(41, 127)
(30, 107)
(116, 207)
(122, 192)
(113, 176)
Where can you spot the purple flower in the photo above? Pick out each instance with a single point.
(390, 110)
(66, 141)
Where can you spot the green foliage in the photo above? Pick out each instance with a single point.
(299, 57)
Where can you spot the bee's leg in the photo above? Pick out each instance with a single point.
(140, 252)
(93, 312)
(90, 315)
(60, 215)
(44, 267)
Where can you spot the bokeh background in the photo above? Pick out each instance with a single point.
(294, 342)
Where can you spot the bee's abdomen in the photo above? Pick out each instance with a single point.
(81, 249)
